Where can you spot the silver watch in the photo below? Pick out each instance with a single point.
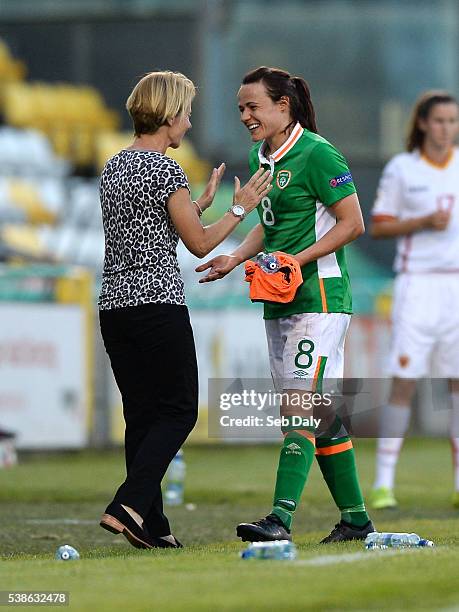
(238, 211)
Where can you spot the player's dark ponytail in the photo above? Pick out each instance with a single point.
(421, 110)
(280, 83)
(304, 113)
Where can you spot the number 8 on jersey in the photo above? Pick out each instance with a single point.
(268, 215)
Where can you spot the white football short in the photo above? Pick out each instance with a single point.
(307, 350)
(425, 319)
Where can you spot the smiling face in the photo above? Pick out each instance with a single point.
(264, 118)
(441, 126)
(178, 128)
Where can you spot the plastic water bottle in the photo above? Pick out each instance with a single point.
(268, 262)
(279, 550)
(175, 480)
(67, 553)
(383, 540)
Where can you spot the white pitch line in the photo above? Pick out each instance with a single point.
(60, 521)
(351, 557)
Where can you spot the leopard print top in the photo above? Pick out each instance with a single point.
(140, 264)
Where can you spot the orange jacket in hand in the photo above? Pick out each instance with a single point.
(280, 286)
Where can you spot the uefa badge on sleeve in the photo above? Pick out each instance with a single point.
(283, 178)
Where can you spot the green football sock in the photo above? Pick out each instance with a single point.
(336, 459)
(295, 460)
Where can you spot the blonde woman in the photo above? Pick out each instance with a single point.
(146, 208)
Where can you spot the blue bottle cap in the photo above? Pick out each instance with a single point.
(423, 542)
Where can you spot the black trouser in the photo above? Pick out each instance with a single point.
(152, 353)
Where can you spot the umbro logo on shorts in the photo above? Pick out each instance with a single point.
(299, 374)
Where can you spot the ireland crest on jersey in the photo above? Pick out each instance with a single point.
(283, 178)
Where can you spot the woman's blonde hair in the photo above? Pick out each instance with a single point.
(157, 97)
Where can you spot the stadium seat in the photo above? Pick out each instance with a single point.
(91, 253)
(51, 127)
(71, 116)
(108, 144)
(28, 199)
(28, 153)
(63, 242)
(84, 207)
(24, 240)
(18, 104)
(11, 70)
(196, 169)
(9, 212)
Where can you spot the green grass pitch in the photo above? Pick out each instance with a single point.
(51, 500)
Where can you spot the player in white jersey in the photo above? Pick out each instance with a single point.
(418, 202)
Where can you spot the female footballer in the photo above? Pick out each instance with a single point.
(311, 213)
(418, 203)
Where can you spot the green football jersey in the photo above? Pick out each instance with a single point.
(309, 176)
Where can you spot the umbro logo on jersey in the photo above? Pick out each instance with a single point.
(342, 179)
(283, 178)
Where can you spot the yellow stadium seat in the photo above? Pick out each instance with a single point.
(18, 104)
(24, 239)
(61, 139)
(5, 59)
(108, 144)
(4, 50)
(18, 70)
(25, 196)
(109, 120)
(83, 146)
(70, 104)
(196, 169)
(12, 70)
(70, 115)
(45, 107)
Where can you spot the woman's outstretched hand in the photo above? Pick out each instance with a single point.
(219, 266)
(206, 199)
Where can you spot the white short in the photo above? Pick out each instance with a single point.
(425, 319)
(307, 349)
